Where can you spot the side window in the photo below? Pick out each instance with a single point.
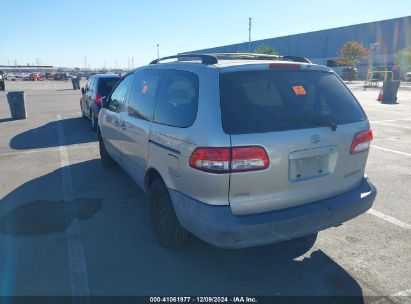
(89, 84)
(142, 96)
(177, 100)
(119, 94)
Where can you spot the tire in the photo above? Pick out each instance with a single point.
(93, 120)
(168, 230)
(82, 112)
(104, 156)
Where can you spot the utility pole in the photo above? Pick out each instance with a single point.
(85, 63)
(158, 51)
(105, 64)
(249, 34)
(132, 62)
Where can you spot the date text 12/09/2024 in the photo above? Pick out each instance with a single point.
(203, 300)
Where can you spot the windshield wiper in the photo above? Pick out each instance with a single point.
(314, 121)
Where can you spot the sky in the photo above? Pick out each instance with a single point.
(113, 33)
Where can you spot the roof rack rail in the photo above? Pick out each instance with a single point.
(205, 58)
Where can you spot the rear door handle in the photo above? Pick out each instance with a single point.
(123, 126)
(116, 123)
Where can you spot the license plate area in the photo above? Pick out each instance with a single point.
(312, 163)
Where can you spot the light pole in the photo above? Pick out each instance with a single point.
(249, 35)
(158, 51)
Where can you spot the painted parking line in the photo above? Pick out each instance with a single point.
(389, 120)
(45, 150)
(389, 219)
(400, 297)
(391, 125)
(391, 150)
(77, 261)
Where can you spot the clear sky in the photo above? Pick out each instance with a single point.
(63, 32)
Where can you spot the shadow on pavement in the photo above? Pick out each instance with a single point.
(124, 258)
(44, 217)
(76, 131)
(6, 119)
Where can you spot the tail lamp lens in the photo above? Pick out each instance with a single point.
(361, 142)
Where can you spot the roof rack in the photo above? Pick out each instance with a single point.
(205, 58)
(212, 58)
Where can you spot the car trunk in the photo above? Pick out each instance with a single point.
(306, 122)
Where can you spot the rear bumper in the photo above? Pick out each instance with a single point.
(218, 226)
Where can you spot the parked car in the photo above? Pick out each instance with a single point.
(237, 152)
(407, 77)
(60, 76)
(36, 76)
(98, 86)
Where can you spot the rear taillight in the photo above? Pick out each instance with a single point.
(223, 160)
(98, 98)
(284, 66)
(361, 142)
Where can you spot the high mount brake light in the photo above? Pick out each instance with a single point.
(224, 160)
(279, 66)
(361, 141)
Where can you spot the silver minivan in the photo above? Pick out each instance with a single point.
(241, 151)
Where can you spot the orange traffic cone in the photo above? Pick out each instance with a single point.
(380, 95)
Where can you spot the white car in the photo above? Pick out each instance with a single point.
(407, 77)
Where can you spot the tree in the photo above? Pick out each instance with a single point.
(403, 59)
(351, 53)
(265, 49)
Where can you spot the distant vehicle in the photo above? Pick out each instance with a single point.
(98, 86)
(239, 152)
(11, 77)
(407, 77)
(2, 79)
(36, 76)
(60, 76)
(25, 76)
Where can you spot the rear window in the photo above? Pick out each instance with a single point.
(105, 85)
(270, 101)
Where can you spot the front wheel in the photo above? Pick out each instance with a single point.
(93, 119)
(168, 230)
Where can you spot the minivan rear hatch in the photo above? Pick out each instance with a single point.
(306, 120)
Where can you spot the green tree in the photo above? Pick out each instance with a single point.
(403, 59)
(265, 49)
(351, 53)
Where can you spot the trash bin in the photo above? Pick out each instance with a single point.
(390, 89)
(75, 81)
(17, 104)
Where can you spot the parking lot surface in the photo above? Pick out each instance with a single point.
(69, 226)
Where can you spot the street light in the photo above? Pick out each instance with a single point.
(158, 51)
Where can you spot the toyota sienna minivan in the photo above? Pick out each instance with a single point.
(241, 151)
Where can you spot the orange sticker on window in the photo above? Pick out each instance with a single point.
(299, 90)
(145, 89)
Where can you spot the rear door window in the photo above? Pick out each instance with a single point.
(119, 95)
(105, 85)
(269, 101)
(177, 100)
(142, 96)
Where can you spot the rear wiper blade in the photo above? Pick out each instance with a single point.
(332, 125)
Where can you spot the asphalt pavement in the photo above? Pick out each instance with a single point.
(69, 226)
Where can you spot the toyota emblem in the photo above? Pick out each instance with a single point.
(315, 139)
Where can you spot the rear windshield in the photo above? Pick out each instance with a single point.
(269, 101)
(105, 85)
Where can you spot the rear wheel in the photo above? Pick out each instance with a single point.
(168, 230)
(82, 112)
(105, 157)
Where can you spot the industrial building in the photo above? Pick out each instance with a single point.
(321, 46)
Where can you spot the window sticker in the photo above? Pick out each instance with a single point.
(145, 89)
(299, 90)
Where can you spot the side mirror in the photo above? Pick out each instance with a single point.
(104, 101)
(83, 90)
